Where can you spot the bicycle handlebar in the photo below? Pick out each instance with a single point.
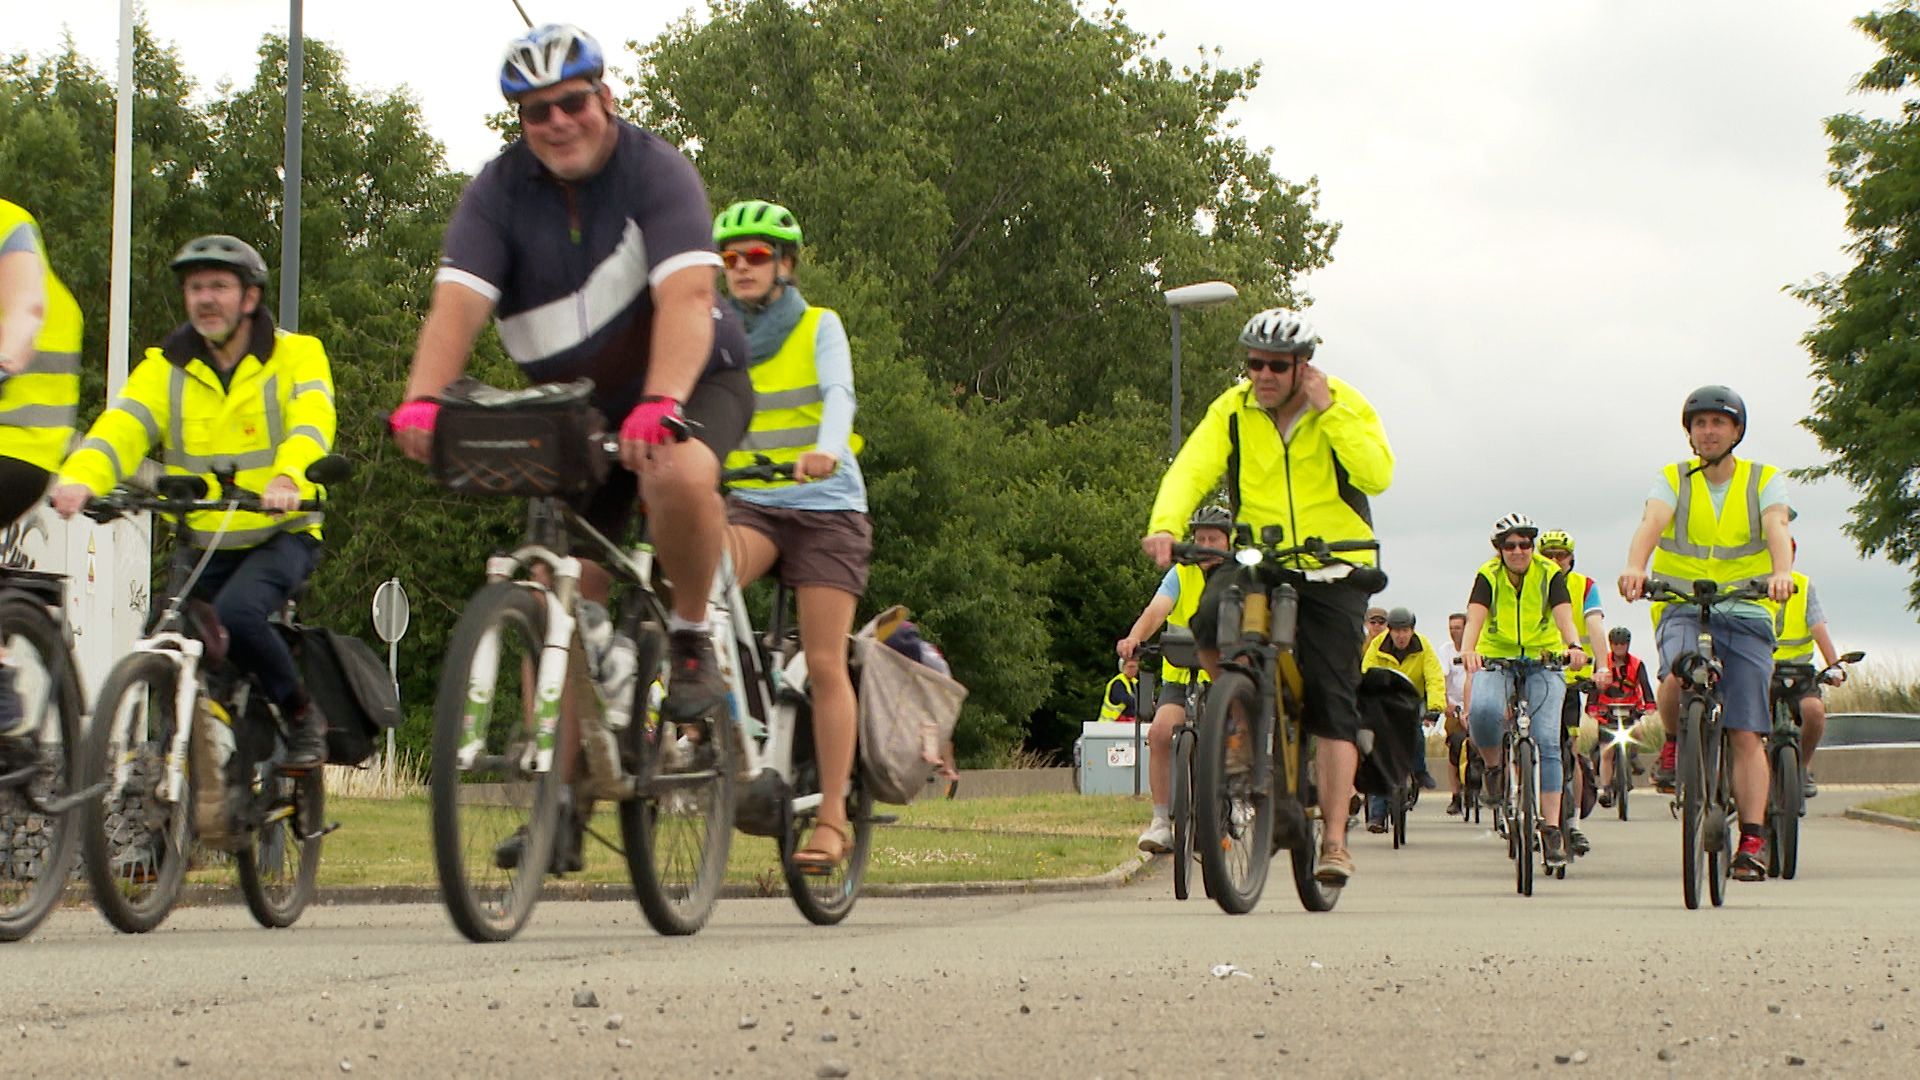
(761, 469)
(1549, 661)
(1706, 593)
(123, 501)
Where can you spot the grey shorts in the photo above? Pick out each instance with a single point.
(1174, 694)
(817, 547)
(1745, 649)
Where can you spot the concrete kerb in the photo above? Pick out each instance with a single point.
(1875, 817)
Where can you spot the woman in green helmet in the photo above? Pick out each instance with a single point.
(814, 528)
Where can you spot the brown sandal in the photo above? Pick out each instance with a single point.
(816, 861)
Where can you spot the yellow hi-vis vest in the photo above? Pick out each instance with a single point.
(1193, 581)
(37, 406)
(1109, 708)
(1519, 621)
(1792, 637)
(274, 419)
(788, 404)
(1577, 585)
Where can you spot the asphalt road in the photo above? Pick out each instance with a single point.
(1429, 964)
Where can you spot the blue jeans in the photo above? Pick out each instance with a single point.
(1544, 690)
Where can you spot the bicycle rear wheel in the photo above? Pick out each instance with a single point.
(1399, 818)
(826, 899)
(1691, 778)
(1723, 825)
(1180, 808)
(1233, 823)
(1526, 823)
(678, 831)
(278, 869)
(135, 844)
(33, 873)
(494, 816)
(1787, 805)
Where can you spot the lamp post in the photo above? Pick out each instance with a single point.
(1201, 295)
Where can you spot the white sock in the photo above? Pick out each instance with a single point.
(676, 624)
(1160, 813)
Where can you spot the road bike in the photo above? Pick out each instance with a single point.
(1518, 818)
(1703, 775)
(1786, 795)
(1253, 772)
(38, 769)
(185, 748)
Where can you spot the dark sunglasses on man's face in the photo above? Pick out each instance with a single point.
(753, 256)
(539, 112)
(1517, 545)
(1376, 622)
(1278, 367)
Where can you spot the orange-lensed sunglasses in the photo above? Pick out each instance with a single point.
(753, 256)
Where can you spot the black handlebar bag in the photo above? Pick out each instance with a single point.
(1390, 708)
(528, 443)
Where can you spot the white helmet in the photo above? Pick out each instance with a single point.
(1278, 330)
(1514, 523)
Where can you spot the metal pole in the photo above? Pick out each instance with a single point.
(119, 301)
(1176, 379)
(290, 202)
(393, 669)
(1143, 688)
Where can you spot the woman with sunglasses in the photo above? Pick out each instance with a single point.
(1519, 608)
(814, 528)
(1302, 450)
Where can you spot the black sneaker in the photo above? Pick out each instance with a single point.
(566, 857)
(694, 683)
(16, 742)
(1808, 789)
(306, 738)
(1606, 800)
(1578, 841)
(1455, 805)
(1492, 791)
(1553, 847)
(1426, 780)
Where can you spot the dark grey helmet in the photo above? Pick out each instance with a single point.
(1620, 635)
(1399, 619)
(1713, 399)
(223, 252)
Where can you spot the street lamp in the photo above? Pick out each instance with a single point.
(1201, 295)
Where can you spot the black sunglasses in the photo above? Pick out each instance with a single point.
(1278, 367)
(1517, 545)
(573, 104)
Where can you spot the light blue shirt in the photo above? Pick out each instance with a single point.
(1169, 586)
(846, 489)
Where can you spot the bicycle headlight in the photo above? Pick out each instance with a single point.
(1247, 556)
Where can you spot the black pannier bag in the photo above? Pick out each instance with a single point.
(1390, 708)
(345, 677)
(532, 442)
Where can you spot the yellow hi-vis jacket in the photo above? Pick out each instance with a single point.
(1421, 666)
(1792, 637)
(274, 419)
(37, 406)
(787, 404)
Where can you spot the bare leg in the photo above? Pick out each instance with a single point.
(682, 486)
(1813, 725)
(1334, 765)
(826, 617)
(1160, 743)
(1750, 776)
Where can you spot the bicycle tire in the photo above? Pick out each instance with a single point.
(1690, 777)
(1399, 819)
(1526, 824)
(1233, 825)
(827, 899)
(1315, 895)
(134, 891)
(45, 679)
(1180, 808)
(1721, 813)
(677, 890)
(279, 868)
(1622, 779)
(494, 822)
(1787, 786)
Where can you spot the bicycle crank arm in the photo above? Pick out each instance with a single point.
(669, 782)
(329, 827)
(65, 802)
(19, 776)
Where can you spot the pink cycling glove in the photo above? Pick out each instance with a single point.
(655, 421)
(415, 416)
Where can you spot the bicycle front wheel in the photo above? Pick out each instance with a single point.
(1233, 822)
(1180, 808)
(494, 813)
(1526, 828)
(35, 868)
(134, 842)
(278, 868)
(1691, 777)
(1723, 825)
(1787, 805)
(1622, 779)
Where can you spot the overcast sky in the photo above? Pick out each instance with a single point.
(1557, 219)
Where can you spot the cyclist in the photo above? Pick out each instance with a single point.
(1557, 545)
(1456, 727)
(814, 528)
(1173, 604)
(39, 394)
(1376, 625)
(1403, 650)
(1715, 516)
(1120, 704)
(1798, 625)
(590, 242)
(1519, 608)
(1314, 451)
(1628, 685)
(229, 384)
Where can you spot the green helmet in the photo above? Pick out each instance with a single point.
(756, 218)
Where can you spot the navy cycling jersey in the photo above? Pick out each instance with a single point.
(569, 266)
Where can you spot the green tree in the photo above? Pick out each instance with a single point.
(1867, 408)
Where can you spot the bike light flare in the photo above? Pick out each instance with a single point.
(1618, 736)
(1248, 556)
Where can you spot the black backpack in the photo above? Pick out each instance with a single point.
(346, 678)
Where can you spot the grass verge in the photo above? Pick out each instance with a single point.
(1907, 806)
(388, 842)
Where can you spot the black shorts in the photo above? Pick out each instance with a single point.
(721, 405)
(22, 485)
(1329, 647)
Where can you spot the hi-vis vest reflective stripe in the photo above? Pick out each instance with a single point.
(1577, 585)
(37, 406)
(1193, 581)
(1519, 622)
(1698, 546)
(1110, 709)
(1792, 637)
(787, 403)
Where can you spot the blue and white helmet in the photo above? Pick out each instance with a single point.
(548, 55)
(1278, 330)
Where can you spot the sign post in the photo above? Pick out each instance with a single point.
(392, 613)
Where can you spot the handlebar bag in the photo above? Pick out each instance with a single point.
(528, 443)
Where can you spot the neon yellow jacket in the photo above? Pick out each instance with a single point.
(37, 406)
(1421, 666)
(275, 419)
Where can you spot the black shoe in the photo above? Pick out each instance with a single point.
(1426, 780)
(306, 739)
(694, 683)
(1606, 800)
(1553, 847)
(16, 742)
(1455, 805)
(1376, 826)
(1492, 791)
(566, 857)
(1578, 841)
